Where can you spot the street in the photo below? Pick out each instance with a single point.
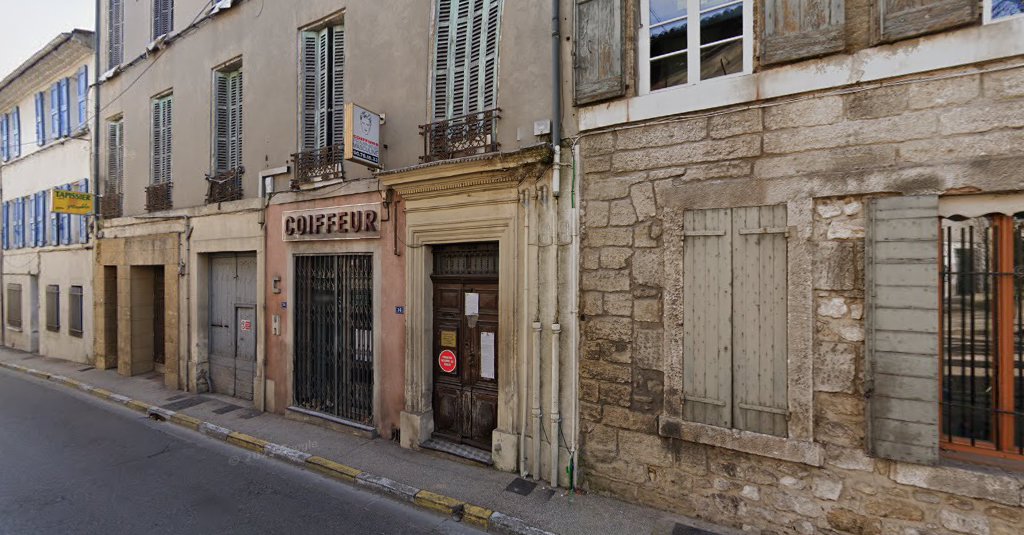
(72, 464)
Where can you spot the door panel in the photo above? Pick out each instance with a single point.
(222, 319)
(245, 347)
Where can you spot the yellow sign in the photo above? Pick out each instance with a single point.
(72, 202)
(448, 338)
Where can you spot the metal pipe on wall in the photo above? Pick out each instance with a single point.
(556, 188)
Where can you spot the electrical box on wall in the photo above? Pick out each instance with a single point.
(541, 128)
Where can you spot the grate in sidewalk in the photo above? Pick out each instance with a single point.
(521, 486)
(226, 409)
(186, 403)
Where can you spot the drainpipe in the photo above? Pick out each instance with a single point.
(524, 197)
(96, 118)
(3, 268)
(535, 356)
(556, 188)
(574, 315)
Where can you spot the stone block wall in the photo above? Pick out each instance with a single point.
(823, 156)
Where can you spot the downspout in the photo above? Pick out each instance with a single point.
(527, 202)
(3, 268)
(96, 119)
(535, 353)
(556, 187)
(574, 315)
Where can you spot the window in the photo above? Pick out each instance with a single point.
(996, 10)
(53, 308)
(82, 93)
(15, 145)
(227, 150)
(323, 88)
(735, 318)
(674, 53)
(115, 33)
(14, 305)
(115, 157)
(40, 118)
(5, 126)
(38, 218)
(982, 329)
(6, 230)
(19, 223)
(60, 112)
(75, 305)
(163, 17)
(161, 150)
(465, 57)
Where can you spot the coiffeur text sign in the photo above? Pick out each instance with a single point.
(352, 222)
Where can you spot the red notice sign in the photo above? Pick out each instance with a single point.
(446, 360)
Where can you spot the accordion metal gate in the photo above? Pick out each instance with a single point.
(334, 335)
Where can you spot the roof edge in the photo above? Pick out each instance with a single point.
(86, 38)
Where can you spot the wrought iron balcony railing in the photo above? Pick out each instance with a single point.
(458, 137)
(224, 186)
(158, 197)
(318, 164)
(110, 204)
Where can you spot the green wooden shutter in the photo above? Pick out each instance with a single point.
(902, 19)
(156, 154)
(599, 66)
(707, 308)
(799, 29)
(222, 121)
(759, 332)
(337, 86)
(902, 335)
(466, 48)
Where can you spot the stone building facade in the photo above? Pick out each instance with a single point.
(822, 157)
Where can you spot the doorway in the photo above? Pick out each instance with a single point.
(232, 329)
(147, 320)
(465, 351)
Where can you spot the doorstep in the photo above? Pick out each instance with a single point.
(459, 450)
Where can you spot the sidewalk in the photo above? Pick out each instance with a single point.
(543, 509)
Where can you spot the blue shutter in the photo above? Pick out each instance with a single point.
(83, 95)
(54, 226)
(55, 111)
(16, 133)
(19, 222)
(65, 223)
(4, 154)
(32, 221)
(43, 196)
(7, 227)
(83, 220)
(65, 107)
(40, 123)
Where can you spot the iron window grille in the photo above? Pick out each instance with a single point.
(75, 305)
(53, 308)
(982, 333)
(322, 134)
(467, 135)
(110, 205)
(224, 186)
(158, 197)
(14, 305)
(318, 164)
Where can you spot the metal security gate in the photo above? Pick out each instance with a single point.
(232, 313)
(334, 335)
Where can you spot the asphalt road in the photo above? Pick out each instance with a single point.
(73, 464)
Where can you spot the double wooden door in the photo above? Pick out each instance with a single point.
(466, 397)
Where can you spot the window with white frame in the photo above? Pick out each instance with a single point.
(161, 156)
(996, 10)
(323, 87)
(675, 52)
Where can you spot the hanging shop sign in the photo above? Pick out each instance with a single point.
(352, 222)
(446, 360)
(362, 136)
(71, 202)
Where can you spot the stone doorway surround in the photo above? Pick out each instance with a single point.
(469, 200)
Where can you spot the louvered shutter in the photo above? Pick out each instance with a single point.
(115, 157)
(902, 19)
(83, 221)
(65, 107)
(4, 138)
(54, 236)
(115, 16)
(799, 29)
(40, 119)
(466, 57)
(460, 60)
(222, 123)
(598, 51)
(309, 90)
(83, 95)
(442, 65)
(902, 321)
(161, 156)
(41, 219)
(65, 223)
(759, 333)
(163, 17)
(156, 155)
(337, 90)
(32, 206)
(55, 111)
(490, 65)
(19, 223)
(323, 100)
(235, 145)
(167, 137)
(707, 304)
(7, 227)
(16, 132)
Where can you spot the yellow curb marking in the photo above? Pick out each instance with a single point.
(248, 442)
(39, 374)
(101, 393)
(333, 469)
(137, 405)
(437, 502)
(186, 421)
(478, 516)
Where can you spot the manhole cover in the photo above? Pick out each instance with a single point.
(521, 486)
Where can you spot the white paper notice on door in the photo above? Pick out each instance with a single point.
(472, 304)
(487, 355)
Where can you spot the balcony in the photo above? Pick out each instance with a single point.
(318, 164)
(110, 204)
(158, 197)
(224, 186)
(467, 135)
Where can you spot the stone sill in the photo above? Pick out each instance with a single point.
(963, 479)
(784, 449)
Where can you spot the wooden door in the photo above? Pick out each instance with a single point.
(466, 398)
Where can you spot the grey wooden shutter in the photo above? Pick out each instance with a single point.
(222, 122)
(902, 19)
(466, 57)
(161, 156)
(235, 117)
(707, 308)
(156, 154)
(598, 56)
(489, 96)
(167, 138)
(163, 17)
(759, 318)
(442, 63)
(903, 328)
(459, 60)
(309, 90)
(115, 33)
(337, 86)
(323, 86)
(799, 29)
(115, 158)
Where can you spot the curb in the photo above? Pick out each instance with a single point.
(480, 517)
